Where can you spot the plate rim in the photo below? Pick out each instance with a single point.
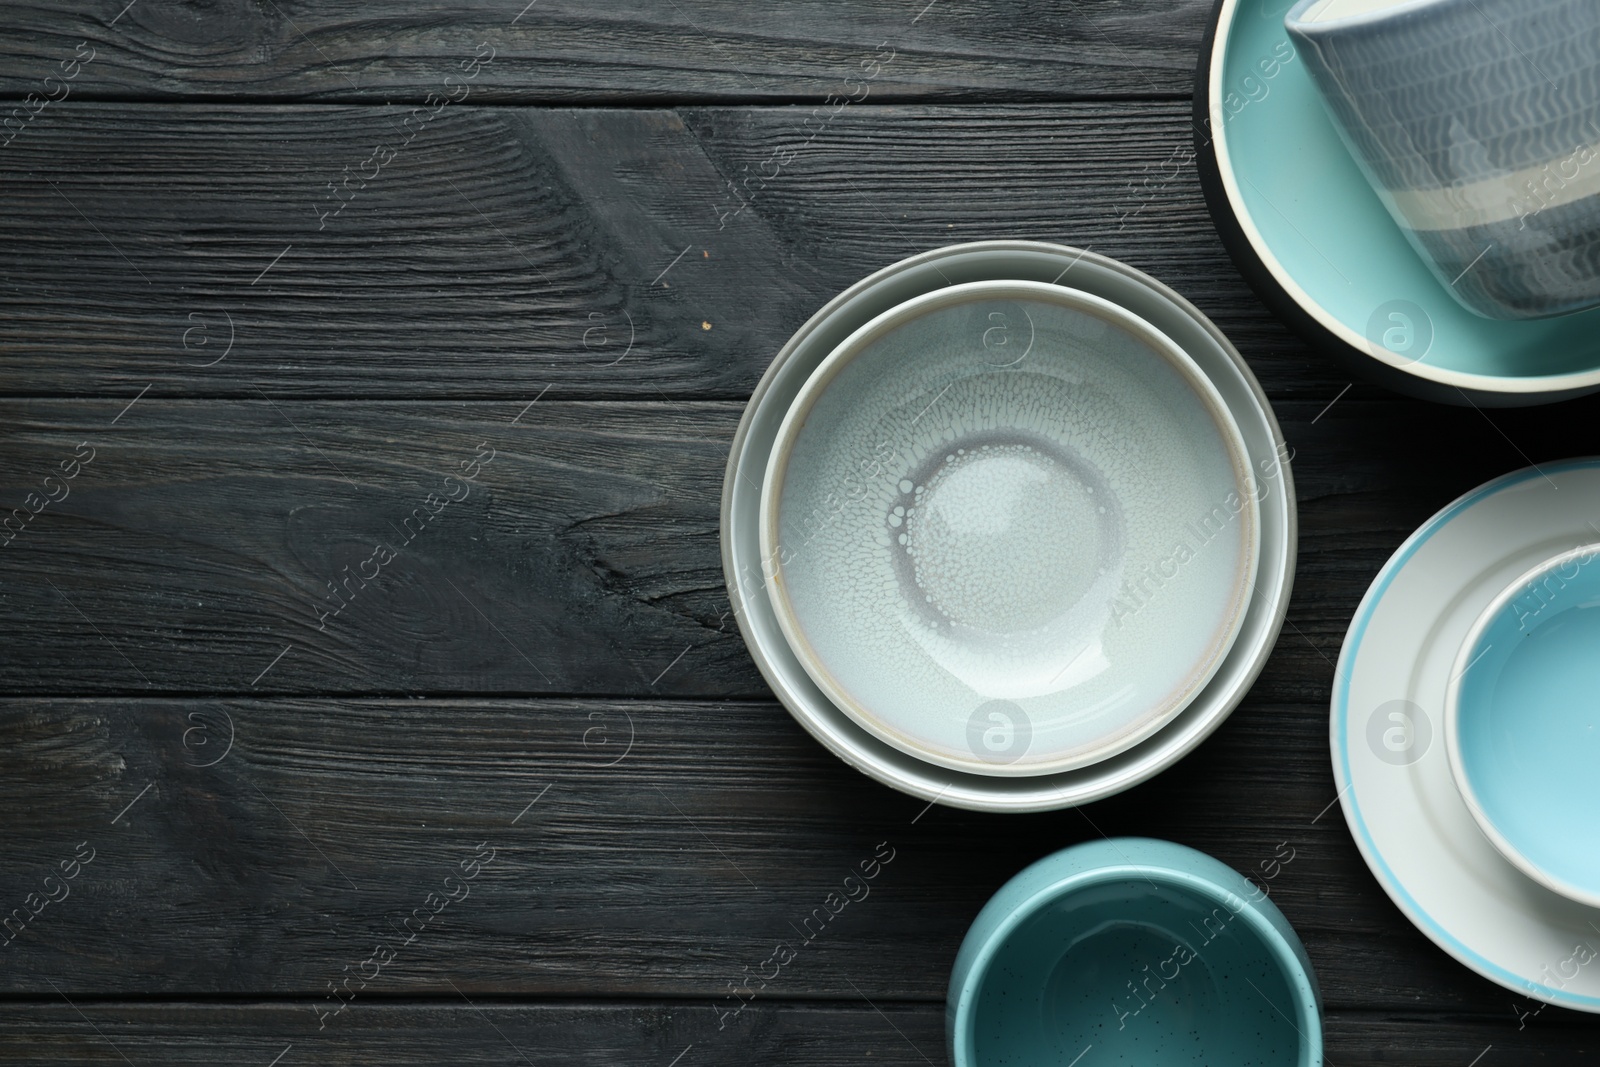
(1339, 736)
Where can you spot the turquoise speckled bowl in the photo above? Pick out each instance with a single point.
(1131, 950)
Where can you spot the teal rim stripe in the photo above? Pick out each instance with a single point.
(1341, 705)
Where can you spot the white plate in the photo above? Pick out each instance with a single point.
(1389, 757)
(984, 261)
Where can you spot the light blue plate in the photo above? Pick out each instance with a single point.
(1309, 221)
(1527, 726)
(1131, 950)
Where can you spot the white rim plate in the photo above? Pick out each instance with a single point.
(984, 261)
(1389, 756)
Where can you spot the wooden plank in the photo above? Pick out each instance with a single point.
(258, 546)
(638, 849)
(473, 263)
(561, 847)
(221, 251)
(241, 546)
(476, 1033)
(552, 1035)
(559, 51)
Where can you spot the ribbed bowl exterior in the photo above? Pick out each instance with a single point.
(1478, 123)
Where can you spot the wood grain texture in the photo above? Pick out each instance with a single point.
(602, 253)
(559, 51)
(207, 539)
(291, 679)
(639, 849)
(559, 1034)
(474, 1034)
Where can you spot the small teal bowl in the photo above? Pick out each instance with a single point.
(1522, 725)
(1131, 950)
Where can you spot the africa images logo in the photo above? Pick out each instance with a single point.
(999, 731)
(1398, 732)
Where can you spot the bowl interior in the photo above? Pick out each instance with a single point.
(1145, 971)
(1318, 226)
(1012, 528)
(1526, 723)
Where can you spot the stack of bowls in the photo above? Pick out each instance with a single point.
(1009, 526)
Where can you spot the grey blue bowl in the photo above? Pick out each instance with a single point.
(1131, 950)
(1477, 122)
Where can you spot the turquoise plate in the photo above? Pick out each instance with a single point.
(1314, 241)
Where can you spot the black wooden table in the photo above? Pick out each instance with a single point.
(370, 690)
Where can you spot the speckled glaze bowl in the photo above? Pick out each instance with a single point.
(1477, 122)
(1008, 529)
(1130, 950)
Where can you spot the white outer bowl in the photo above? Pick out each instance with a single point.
(988, 260)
